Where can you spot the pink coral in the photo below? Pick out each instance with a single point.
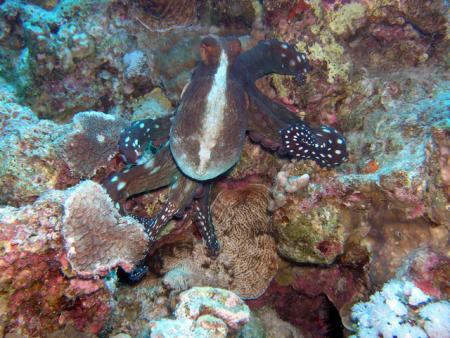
(220, 303)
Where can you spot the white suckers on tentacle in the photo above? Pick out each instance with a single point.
(323, 145)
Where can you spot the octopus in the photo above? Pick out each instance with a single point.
(218, 109)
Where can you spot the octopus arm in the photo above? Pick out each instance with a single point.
(203, 221)
(141, 134)
(271, 126)
(272, 56)
(149, 174)
(324, 145)
(181, 195)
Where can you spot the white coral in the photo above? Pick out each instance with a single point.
(391, 312)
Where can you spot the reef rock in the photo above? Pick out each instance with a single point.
(40, 154)
(313, 237)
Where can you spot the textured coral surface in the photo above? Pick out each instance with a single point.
(360, 249)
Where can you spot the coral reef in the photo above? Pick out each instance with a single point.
(91, 143)
(36, 298)
(361, 245)
(274, 326)
(134, 307)
(244, 228)
(285, 184)
(29, 162)
(314, 237)
(40, 154)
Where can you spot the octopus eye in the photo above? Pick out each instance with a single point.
(292, 63)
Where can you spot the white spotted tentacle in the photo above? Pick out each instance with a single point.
(324, 145)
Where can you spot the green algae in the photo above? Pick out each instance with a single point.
(331, 52)
(312, 237)
(343, 20)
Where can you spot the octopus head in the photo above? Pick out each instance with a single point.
(211, 47)
(210, 51)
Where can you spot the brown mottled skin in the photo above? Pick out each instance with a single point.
(196, 152)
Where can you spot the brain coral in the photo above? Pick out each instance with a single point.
(248, 259)
(243, 226)
(96, 237)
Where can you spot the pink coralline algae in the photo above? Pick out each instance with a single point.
(37, 298)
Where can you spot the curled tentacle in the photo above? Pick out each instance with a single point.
(135, 139)
(180, 196)
(324, 145)
(203, 221)
(136, 275)
(272, 56)
(158, 171)
(269, 119)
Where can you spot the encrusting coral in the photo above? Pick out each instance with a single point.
(97, 238)
(91, 143)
